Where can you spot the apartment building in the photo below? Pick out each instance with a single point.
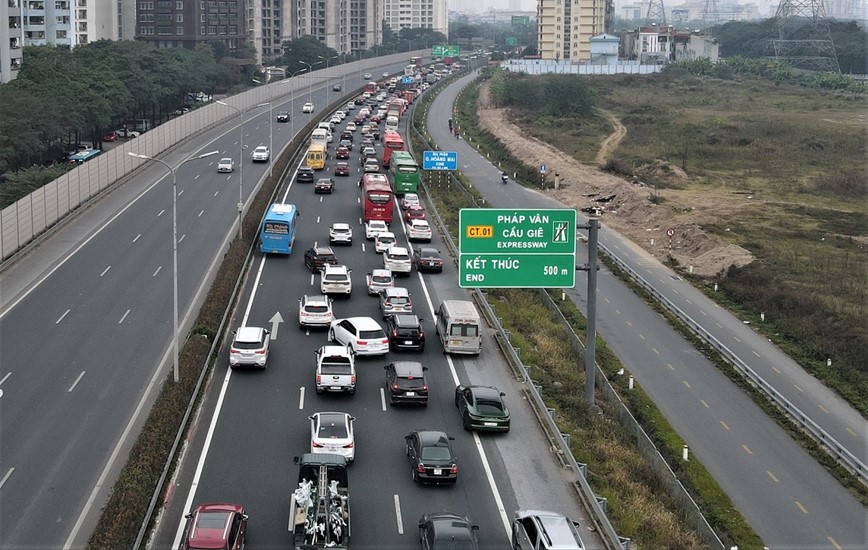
(415, 14)
(11, 39)
(185, 23)
(566, 27)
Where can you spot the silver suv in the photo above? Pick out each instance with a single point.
(395, 300)
(335, 369)
(539, 530)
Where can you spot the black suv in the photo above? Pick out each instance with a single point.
(405, 332)
(406, 383)
(283, 116)
(318, 256)
(347, 134)
(304, 175)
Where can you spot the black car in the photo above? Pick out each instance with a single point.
(482, 408)
(283, 116)
(406, 383)
(431, 457)
(316, 257)
(447, 530)
(305, 175)
(405, 332)
(347, 134)
(427, 259)
(324, 185)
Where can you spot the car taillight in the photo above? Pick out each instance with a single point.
(384, 341)
(362, 342)
(420, 468)
(394, 386)
(353, 379)
(259, 351)
(233, 350)
(394, 334)
(454, 469)
(316, 445)
(424, 387)
(319, 379)
(349, 445)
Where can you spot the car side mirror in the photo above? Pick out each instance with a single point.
(189, 516)
(502, 394)
(424, 368)
(244, 517)
(295, 460)
(233, 332)
(474, 527)
(450, 438)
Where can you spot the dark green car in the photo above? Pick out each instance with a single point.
(482, 408)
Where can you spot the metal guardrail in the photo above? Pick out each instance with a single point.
(841, 453)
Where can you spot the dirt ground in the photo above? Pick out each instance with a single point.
(631, 212)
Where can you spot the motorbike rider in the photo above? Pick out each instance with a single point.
(504, 177)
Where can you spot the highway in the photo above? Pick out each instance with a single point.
(255, 422)
(785, 495)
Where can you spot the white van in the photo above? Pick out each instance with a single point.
(319, 136)
(459, 327)
(391, 124)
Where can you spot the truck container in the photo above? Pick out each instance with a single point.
(320, 507)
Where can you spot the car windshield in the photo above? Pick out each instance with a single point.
(336, 368)
(316, 308)
(436, 453)
(398, 300)
(337, 277)
(371, 334)
(485, 406)
(332, 431)
(381, 278)
(411, 383)
(247, 345)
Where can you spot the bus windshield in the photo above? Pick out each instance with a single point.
(277, 233)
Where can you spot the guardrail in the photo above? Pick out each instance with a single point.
(841, 453)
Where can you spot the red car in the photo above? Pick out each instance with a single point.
(111, 136)
(342, 169)
(215, 526)
(342, 153)
(414, 213)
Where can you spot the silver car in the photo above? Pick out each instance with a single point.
(379, 280)
(540, 530)
(226, 165)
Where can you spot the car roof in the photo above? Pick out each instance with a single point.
(340, 225)
(449, 526)
(485, 392)
(406, 320)
(385, 234)
(381, 272)
(364, 323)
(396, 291)
(419, 222)
(405, 369)
(249, 334)
(327, 351)
(224, 159)
(261, 147)
(428, 250)
(395, 250)
(316, 298)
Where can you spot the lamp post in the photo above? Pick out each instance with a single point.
(327, 59)
(240, 205)
(292, 105)
(310, 67)
(175, 374)
(270, 128)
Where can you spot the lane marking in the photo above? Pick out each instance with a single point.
(704, 403)
(181, 192)
(686, 383)
(157, 271)
(629, 324)
(755, 353)
(301, 398)
(61, 317)
(641, 336)
(852, 432)
(722, 423)
(670, 366)
(771, 475)
(745, 447)
(383, 398)
(216, 193)
(655, 351)
(798, 388)
(618, 311)
(802, 508)
(776, 370)
(200, 214)
(398, 515)
(318, 218)
(74, 384)
(161, 213)
(8, 374)
(124, 317)
(137, 237)
(197, 175)
(824, 409)
(686, 300)
(736, 338)
(181, 238)
(718, 325)
(702, 311)
(6, 477)
(104, 271)
(834, 543)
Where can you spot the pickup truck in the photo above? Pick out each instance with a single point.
(319, 509)
(335, 369)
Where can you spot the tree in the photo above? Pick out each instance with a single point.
(307, 50)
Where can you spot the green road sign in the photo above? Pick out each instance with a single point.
(444, 51)
(517, 248)
(511, 41)
(520, 20)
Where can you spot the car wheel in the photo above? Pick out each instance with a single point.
(415, 475)
(466, 423)
(319, 389)
(331, 335)
(352, 391)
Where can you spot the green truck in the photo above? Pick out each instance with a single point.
(320, 506)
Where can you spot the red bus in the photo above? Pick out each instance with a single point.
(378, 202)
(392, 141)
(371, 87)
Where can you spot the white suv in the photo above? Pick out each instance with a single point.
(315, 311)
(397, 260)
(249, 348)
(335, 279)
(373, 227)
(340, 233)
(364, 335)
(384, 241)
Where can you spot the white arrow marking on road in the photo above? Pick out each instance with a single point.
(275, 324)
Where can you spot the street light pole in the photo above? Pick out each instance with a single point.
(292, 105)
(270, 128)
(328, 91)
(310, 67)
(175, 374)
(240, 205)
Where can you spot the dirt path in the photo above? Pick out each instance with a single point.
(631, 212)
(611, 142)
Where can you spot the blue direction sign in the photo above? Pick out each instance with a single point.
(439, 160)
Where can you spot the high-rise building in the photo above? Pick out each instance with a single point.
(415, 14)
(566, 27)
(11, 39)
(76, 22)
(185, 23)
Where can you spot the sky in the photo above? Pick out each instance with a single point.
(479, 6)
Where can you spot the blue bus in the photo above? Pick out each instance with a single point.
(277, 233)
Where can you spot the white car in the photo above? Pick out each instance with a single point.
(332, 432)
(260, 154)
(385, 75)
(419, 230)
(397, 260)
(363, 334)
(341, 114)
(410, 199)
(335, 279)
(340, 233)
(379, 280)
(226, 165)
(373, 227)
(368, 76)
(249, 347)
(351, 126)
(315, 311)
(307, 108)
(351, 106)
(335, 370)
(335, 120)
(384, 241)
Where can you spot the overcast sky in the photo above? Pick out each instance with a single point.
(480, 6)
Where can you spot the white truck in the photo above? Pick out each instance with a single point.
(320, 507)
(335, 369)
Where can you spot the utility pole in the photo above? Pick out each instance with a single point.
(593, 227)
